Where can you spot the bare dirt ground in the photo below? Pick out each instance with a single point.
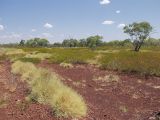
(109, 95)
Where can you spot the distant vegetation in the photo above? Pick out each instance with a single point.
(69, 43)
(91, 42)
(139, 36)
(36, 42)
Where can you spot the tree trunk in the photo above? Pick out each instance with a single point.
(136, 48)
(140, 44)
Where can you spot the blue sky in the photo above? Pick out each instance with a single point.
(60, 19)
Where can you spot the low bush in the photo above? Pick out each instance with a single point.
(46, 88)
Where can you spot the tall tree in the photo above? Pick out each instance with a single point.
(138, 33)
(94, 41)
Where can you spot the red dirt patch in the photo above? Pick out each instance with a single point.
(130, 98)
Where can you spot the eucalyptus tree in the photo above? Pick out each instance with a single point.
(138, 33)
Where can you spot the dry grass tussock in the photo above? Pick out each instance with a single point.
(46, 88)
(12, 51)
(66, 65)
(4, 100)
(108, 78)
(41, 56)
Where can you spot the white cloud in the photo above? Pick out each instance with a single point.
(33, 30)
(118, 11)
(108, 22)
(47, 25)
(121, 25)
(103, 2)
(1, 27)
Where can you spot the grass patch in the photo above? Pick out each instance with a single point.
(12, 51)
(41, 56)
(108, 78)
(3, 103)
(74, 55)
(66, 65)
(66, 55)
(46, 88)
(146, 63)
(2, 57)
(123, 109)
(76, 84)
(32, 60)
(4, 100)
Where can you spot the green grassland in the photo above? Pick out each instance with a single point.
(123, 59)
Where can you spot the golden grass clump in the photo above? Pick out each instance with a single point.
(47, 88)
(22, 68)
(108, 78)
(4, 100)
(41, 56)
(66, 65)
(13, 51)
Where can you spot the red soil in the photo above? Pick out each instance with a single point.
(133, 97)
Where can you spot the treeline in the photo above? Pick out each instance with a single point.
(152, 42)
(36, 42)
(128, 42)
(91, 42)
(94, 42)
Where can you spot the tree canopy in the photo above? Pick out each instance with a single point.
(138, 33)
(36, 42)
